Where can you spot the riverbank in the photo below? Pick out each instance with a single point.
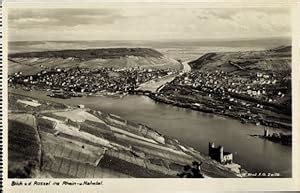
(209, 106)
(124, 144)
(276, 137)
(192, 128)
(205, 105)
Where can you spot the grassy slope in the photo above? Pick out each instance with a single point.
(33, 62)
(136, 154)
(278, 60)
(104, 53)
(22, 150)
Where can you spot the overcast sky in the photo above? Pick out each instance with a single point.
(147, 23)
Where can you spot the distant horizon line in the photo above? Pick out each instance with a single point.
(157, 40)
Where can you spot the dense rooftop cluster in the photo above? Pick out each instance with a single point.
(86, 80)
(260, 98)
(267, 87)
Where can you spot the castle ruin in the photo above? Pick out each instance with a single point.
(218, 154)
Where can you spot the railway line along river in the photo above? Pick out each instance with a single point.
(195, 129)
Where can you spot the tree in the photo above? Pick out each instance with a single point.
(193, 171)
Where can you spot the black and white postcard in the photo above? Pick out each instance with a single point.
(100, 93)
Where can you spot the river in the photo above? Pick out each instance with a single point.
(196, 129)
(155, 86)
(186, 66)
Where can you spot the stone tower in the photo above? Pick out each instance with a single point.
(221, 153)
(266, 132)
(211, 147)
